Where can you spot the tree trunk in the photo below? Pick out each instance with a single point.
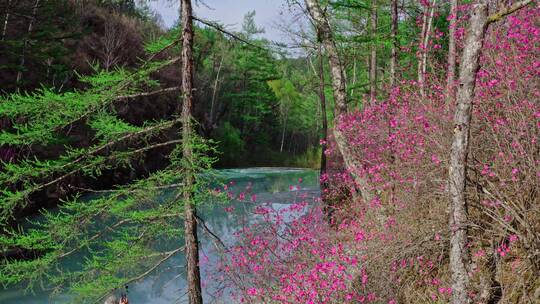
(340, 96)
(469, 66)
(426, 40)
(283, 131)
(190, 223)
(395, 43)
(214, 92)
(25, 45)
(426, 32)
(373, 56)
(322, 98)
(420, 77)
(450, 76)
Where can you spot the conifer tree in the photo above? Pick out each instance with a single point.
(123, 234)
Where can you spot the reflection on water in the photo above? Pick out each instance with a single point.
(277, 186)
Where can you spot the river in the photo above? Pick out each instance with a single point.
(278, 186)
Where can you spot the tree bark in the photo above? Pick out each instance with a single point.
(190, 212)
(395, 43)
(450, 76)
(324, 33)
(373, 55)
(470, 63)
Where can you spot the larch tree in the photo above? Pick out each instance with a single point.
(190, 212)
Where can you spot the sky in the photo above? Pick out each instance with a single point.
(269, 14)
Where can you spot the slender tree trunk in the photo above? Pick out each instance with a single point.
(6, 20)
(214, 92)
(353, 74)
(426, 39)
(283, 130)
(459, 255)
(190, 222)
(420, 78)
(450, 76)
(25, 45)
(340, 96)
(395, 43)
(324, 119)
(373, 56)
(469, 65)
(426, 33)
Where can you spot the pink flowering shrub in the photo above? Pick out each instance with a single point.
(403, 144)
(290, 255)
(394, 248)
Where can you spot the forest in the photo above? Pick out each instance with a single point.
(380, 151)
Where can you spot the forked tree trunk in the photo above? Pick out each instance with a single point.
(459, 255)
(450, 76)
(340, 96)
(373, 55)
(395, 43)
(190, 222)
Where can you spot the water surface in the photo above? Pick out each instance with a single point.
(278, 186)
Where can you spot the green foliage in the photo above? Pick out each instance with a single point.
(122, 234)
(163, 41)
(109, 127)
(230, 143)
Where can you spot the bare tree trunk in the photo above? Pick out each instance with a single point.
(214, 92)
(283, 130)
(6, 19)
(322, 99)
(190, 212)
(336, 68)
(426, 33)
(459, 255)
(450, 76)
(469, 65)
(25, 45)
(426, 38)
(354, 73)
(395, 43)
(373, 56)
(340, 95)
(420, 78)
